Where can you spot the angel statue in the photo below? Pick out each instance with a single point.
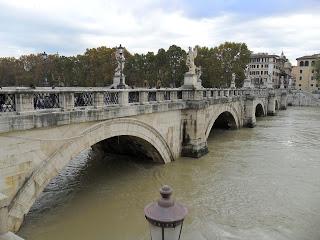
(192, 54)
(120, 60)
(247, 71)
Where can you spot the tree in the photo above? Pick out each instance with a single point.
(96, 67)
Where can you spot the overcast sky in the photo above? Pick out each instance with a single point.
(70, 26)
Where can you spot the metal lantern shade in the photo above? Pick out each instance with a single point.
(165, 216)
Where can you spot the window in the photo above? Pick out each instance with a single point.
(300, 71)
(301, 64)
(299, 85)
(306, 63)
(311, 78)
(311, 85)
(266, 65)
(300, 78)
(312, 71)
(261, 72)
(317, 85)
(312, 63)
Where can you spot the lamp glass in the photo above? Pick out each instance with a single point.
(168, 233)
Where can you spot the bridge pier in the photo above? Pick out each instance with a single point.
(4, 229)
(194, 143)
(250, 111)
(271, 104)
(283, 101)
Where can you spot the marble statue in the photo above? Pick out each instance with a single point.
(192, 54)
(247, 71)
(120, 60)
(269, 81)
(282, 82)
(233, 81)
(198, 73)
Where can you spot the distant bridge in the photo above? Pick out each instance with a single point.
(42, 129)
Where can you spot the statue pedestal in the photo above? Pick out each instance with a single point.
(116, 80)
(191, 81)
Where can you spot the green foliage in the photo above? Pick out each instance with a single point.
(220, 62)
(96, 67)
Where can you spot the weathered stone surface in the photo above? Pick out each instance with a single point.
(10, 236)
(36, 145)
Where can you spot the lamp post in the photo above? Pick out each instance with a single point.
(44, 56)
(121, 85)
(165, 216)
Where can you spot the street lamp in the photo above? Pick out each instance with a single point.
(44, 56)
(165, 216)
(120, 59)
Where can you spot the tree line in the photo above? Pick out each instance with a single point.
(96, 67)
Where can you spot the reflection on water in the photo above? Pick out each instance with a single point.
(260, 183)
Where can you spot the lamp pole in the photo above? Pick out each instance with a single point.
(44, 56)
(165, 216)
(121, 60)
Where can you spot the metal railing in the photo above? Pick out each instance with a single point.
(27, 99)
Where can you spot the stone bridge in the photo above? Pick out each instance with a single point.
(42, 129)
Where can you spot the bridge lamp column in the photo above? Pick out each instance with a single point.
(121, 84)
(165, 216)
(44, 56)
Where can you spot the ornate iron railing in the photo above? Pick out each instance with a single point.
(25, 99)
(111, 98)
(133, 97)
(7, 103)
(83, 99)
(46, 100)
(152, 96)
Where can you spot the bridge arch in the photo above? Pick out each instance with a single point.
(227, 114)
(51, 167)
(260, 110)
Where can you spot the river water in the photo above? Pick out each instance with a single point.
(255, 184)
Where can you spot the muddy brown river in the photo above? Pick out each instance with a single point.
(255, 184)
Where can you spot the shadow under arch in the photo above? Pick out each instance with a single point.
(276, 104)
(259, 110)
(50, 168)
(226, 119)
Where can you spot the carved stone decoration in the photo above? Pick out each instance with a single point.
(198, 73)
(290, 83)
(282, 82)
(233, 81)
(247, 72)
(120, 60)
(192, 77)
(247, 81)
(119, 55)
(192, 54)
(269, 81)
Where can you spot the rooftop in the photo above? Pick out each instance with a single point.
(310, 56)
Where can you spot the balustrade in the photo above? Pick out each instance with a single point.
(7, 102)
(66, 99)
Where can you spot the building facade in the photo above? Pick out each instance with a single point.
(263, 65)
(305, 75)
